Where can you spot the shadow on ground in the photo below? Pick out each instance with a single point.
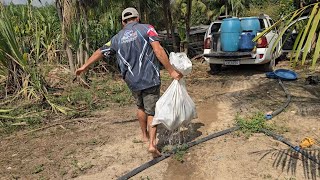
(287, 160)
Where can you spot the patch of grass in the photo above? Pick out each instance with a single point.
(81, 167)
(102, 92)
(21, 116)
(253, 124)
(144, 178)
(137, 140)
(267, 176)
(79, 100)
(119, 93)
(38, 169)
(179, 152)
(93, 142)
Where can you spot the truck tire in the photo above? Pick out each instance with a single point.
(215, 68)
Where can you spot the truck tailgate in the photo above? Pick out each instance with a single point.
(224, 54)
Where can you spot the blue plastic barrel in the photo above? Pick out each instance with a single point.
(250, 24)
(230, 32)
(245, 41)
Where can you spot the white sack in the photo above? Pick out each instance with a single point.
(181, 62)
(175, 107)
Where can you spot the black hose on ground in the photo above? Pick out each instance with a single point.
(144, 166)
(279, 110)
(164, 156)
(296, 148)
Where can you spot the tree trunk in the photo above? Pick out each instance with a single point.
(172, 28)
(86, 28)
(70, 57)
(226, 10)
(66, 23)
(139, 7)
(59, 9)
(165, 13)
(80, 53)
(187, 20)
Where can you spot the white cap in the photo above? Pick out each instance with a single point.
(129, 13)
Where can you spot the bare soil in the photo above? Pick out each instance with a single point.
(106, 145)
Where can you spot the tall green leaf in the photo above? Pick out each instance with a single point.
(310, 36)
(316, 53)
(306, 31)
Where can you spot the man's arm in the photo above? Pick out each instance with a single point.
(96, 56)
(163, 58)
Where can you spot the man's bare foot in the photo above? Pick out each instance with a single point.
(154, 151)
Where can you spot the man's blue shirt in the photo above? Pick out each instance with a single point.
(136, 59)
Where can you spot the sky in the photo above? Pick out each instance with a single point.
(34, 2)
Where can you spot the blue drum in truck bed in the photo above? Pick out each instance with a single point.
(245, 42)
(250, 24)
(230, 32)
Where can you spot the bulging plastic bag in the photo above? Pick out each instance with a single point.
(175, 107)
(181, 62)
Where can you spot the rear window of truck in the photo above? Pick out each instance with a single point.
(215, 27)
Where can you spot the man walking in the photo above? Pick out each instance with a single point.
(137, 49)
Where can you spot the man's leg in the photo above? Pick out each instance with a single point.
(142, 117)
(152, 141)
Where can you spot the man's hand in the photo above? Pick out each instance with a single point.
(79, 71)
(97, 55)
(176, 75)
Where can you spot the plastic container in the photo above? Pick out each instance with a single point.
(245, 41)
(230, 32)
(250, 24)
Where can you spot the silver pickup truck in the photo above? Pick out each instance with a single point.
(261, 54)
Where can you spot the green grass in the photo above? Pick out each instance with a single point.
(20, 116)
(180, 151)
(81, 101)
(102, 92)
(253, 124)
(38, 169)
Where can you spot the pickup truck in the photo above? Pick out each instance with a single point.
(260, 55)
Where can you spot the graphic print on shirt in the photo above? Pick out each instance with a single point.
(125, 62)
(151, 31)
(143, 51)
(129, 36)
(106, 52)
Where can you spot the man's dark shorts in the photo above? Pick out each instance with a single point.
(146, 99)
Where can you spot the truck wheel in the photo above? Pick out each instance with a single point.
(269, 66)
(215, 68)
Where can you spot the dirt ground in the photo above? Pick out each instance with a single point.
(106, 146)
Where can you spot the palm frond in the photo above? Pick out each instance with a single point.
(306, 31)
(316, 53)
